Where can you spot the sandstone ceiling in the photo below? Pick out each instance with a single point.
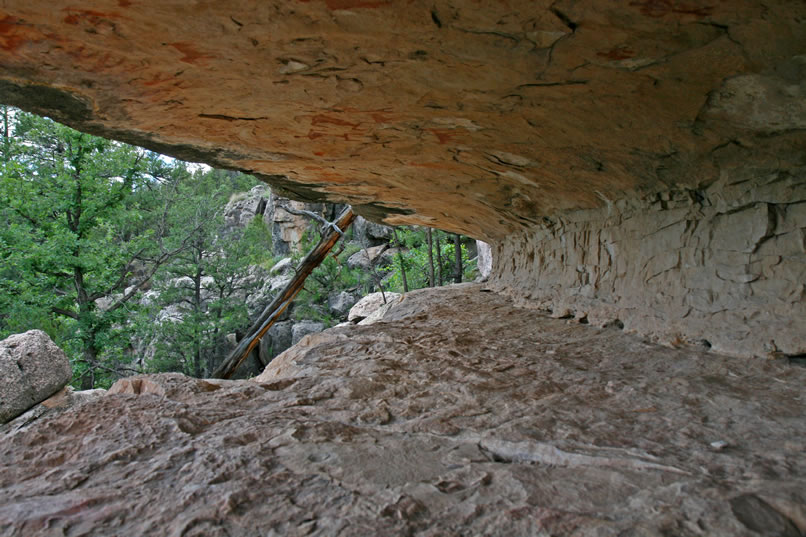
(479, 117)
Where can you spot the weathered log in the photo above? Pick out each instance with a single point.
(273, 311)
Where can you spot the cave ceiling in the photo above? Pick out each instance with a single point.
(481, 117)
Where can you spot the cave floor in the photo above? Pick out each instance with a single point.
(459, 414)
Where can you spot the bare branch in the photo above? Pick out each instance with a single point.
(66, 313)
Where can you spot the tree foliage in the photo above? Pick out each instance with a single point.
(89, 224)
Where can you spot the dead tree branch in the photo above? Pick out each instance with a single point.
(274, 310)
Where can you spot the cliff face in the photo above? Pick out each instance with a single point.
(632, 160)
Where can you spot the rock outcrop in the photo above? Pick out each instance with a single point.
(32, 368)
(243, 208)
(438, 421)
(505, 121)
(724, 266)
(511, 122)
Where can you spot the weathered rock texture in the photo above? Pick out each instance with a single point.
(437, 421)
(479, 117)
(724, 266)
(32, 368)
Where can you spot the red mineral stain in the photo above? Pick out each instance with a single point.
(124, 3)
(381, 118)
(157, 80)
(353, 4)
(75, 16)
(661, 8)
(10, 35)
(314, 135)
(617, 53)
(319, 153)
(443, 135)
(191, 55)
(320, 119)
(432, 165)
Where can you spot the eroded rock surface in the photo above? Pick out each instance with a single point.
(435, 421)
(474, 117)
(724, 266)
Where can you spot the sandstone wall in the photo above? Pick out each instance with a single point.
(724, 266)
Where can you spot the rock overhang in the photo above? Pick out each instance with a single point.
(474, 117)
(574, 135)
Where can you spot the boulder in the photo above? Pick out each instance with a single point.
(367, 305)
(379, 313)
(303, 328)
(32, 368)
(339, 304)
(374, 256)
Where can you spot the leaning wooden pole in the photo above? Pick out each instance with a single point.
(273, 311)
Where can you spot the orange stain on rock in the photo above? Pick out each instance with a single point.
(381, 118)
(320, 119)
(432, 165)
(353, 4)
(444, 135)
(191, 55)
(75, 16)
(617, 53)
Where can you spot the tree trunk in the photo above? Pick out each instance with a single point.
(400, 262)
(438, 244)
(430, 243)
(457, 259)
(6, 136)
(90, 356)
(197, 307)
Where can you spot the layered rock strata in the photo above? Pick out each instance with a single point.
(435, 421)
(723, 267)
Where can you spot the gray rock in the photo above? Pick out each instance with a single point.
(379, 313)
(242, 208)
(282, 266)
(288, 229)
(276, 340)
(485, 259)
(374, 256)
(303, 328)
(340, 304)
(32, 368)
(369, 233)
(367, 305)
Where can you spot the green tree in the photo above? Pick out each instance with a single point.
(425, 259)
(204, 285)
(85, 226)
